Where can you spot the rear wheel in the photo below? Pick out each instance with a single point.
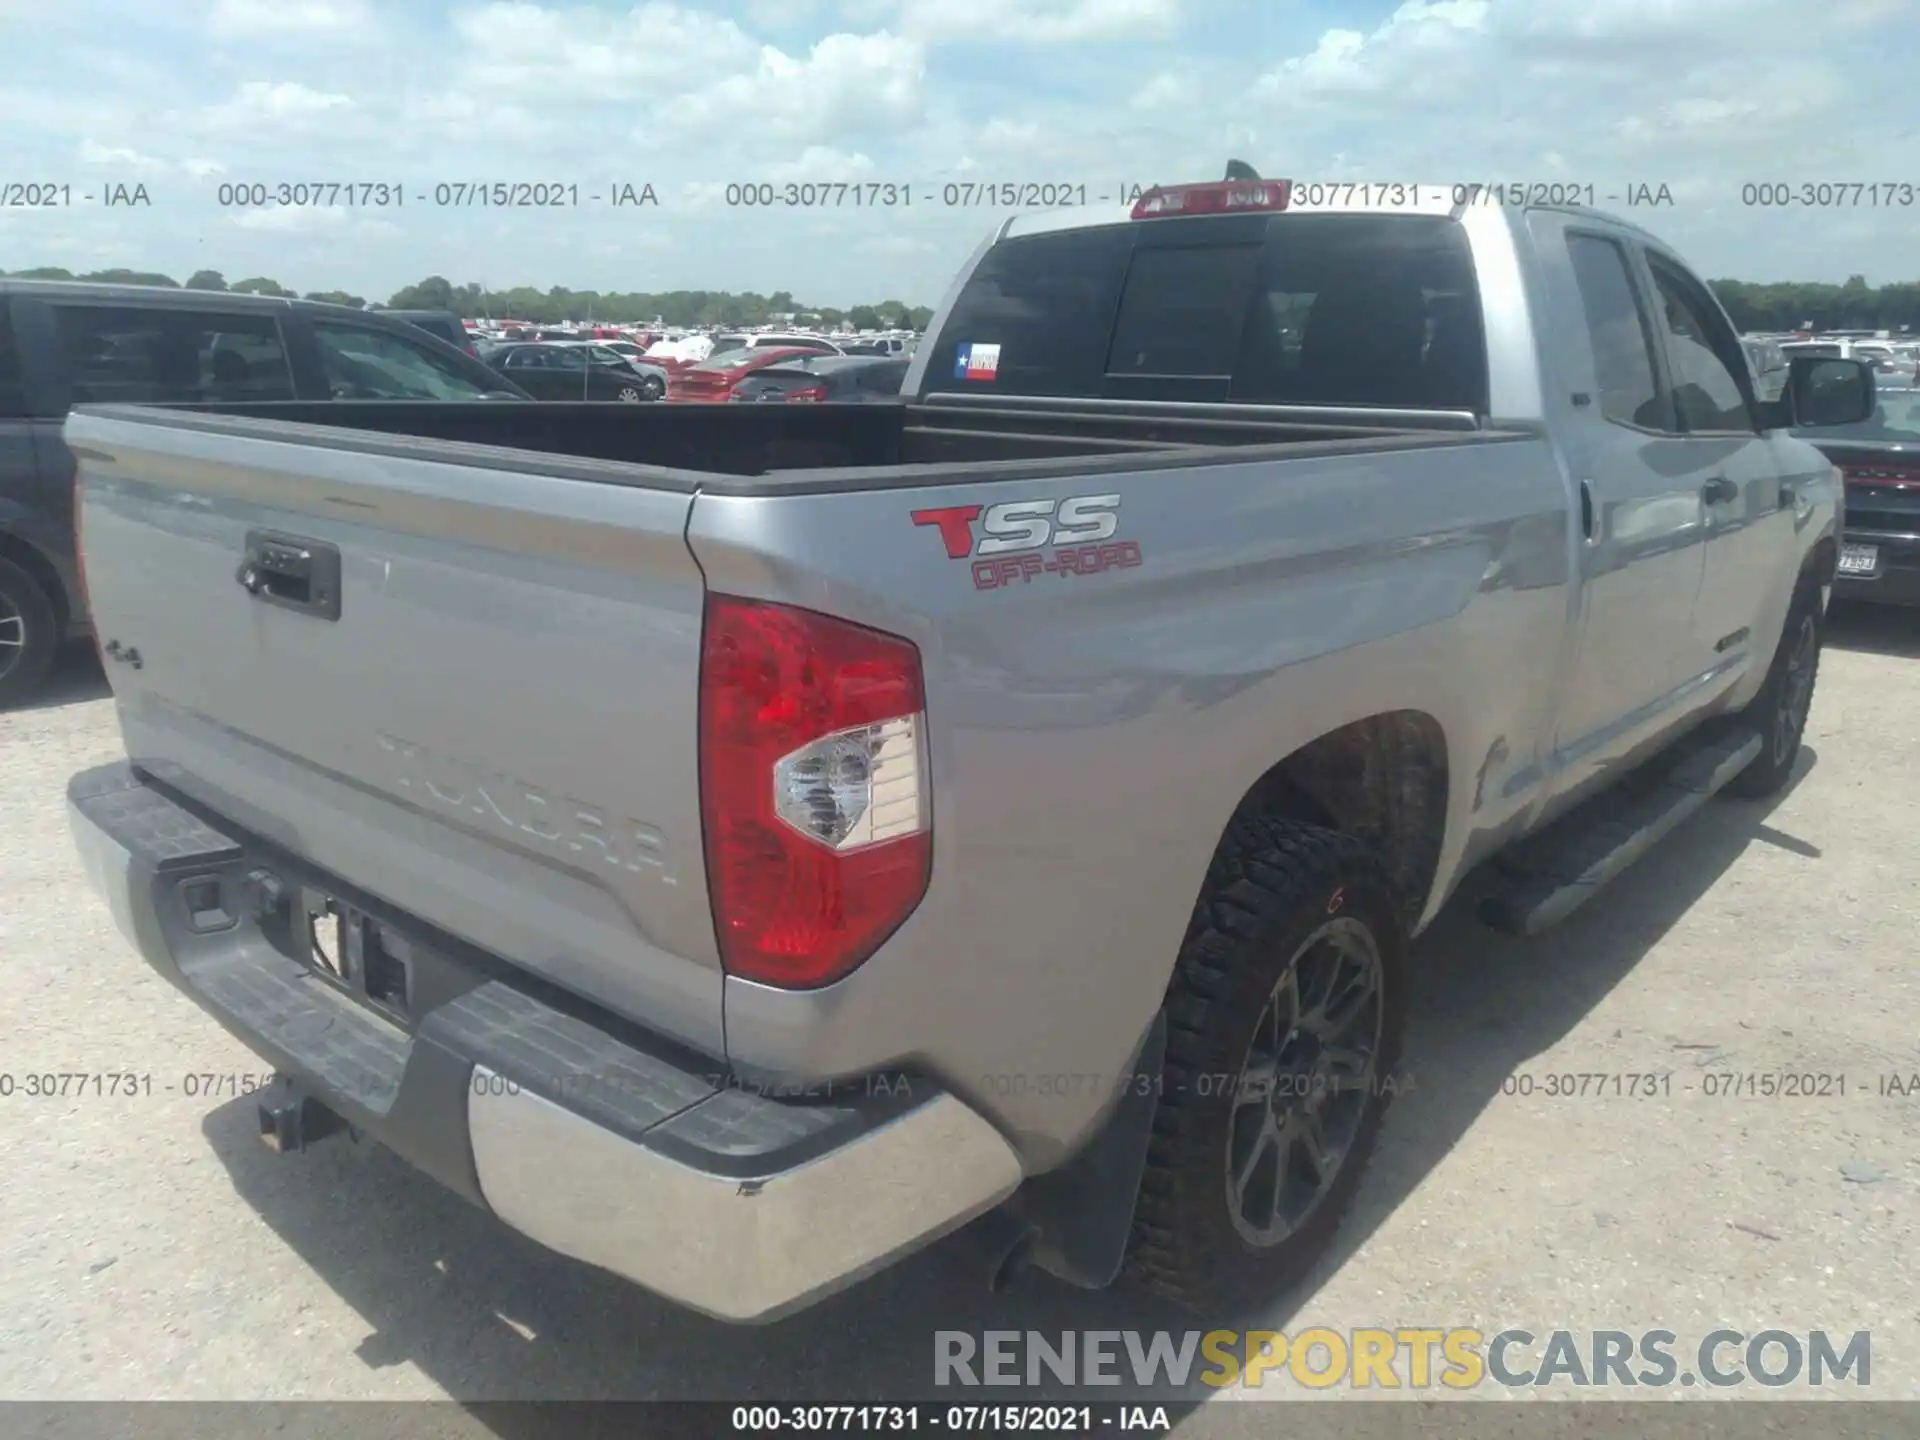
(28, 635)
(630, 395)
(1779, 712)
(1284, 1024)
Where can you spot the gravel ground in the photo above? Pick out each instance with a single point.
(151, 1248)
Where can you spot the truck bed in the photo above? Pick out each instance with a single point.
(761, 449)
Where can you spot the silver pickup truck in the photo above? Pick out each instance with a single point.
(738, 845)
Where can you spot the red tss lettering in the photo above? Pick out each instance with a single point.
(1008, 541)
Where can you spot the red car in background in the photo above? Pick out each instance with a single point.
(713, 379)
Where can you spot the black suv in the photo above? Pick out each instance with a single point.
(63, 344)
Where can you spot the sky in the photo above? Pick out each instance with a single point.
(926, 98)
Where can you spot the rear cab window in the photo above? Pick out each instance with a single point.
(1300, 309)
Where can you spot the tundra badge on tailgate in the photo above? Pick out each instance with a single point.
(1016, 532)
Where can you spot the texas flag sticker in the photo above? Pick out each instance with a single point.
(976, 362)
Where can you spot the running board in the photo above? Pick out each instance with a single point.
(1550, 875)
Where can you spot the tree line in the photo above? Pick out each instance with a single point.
(1773, 305)
(523, 302)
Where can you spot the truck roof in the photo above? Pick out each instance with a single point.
(168, 295)
(1430, 200)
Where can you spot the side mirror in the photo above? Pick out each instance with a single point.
(1822, 391)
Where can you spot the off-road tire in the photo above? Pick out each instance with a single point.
(1780, 727)
(23, 668)
(1272, 884)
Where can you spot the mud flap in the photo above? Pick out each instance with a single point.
(1084, 1209)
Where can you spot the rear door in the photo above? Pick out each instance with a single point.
(1749, 554)
(1640, 510)
(527, 367)
(570, 362)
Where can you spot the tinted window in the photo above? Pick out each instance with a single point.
(883, 379)
(13, 382)
(129, 354)
(1617, 334)
(1365, 310)
(1702, 355)
(524, 360)
(362, 363)
(443, 327)
(1183, 310)
(1048, 302)
(566, 358)
(1292, 309)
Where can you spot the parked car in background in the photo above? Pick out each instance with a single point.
(854, 379)
(713, 379)
(653, 378)
(676, 355)
(1879, 460)
(65, 343)
(878, 345)
(442, 324)
(550, 371)
(632, 349)
(817, 343)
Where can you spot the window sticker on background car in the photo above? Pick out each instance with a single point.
(976, 362)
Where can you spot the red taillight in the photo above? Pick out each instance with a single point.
(1219, 197)
(810, 393)
(813, 789)
(1864, 475)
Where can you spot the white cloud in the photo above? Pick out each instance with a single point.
(301, 19)
(92, 152)
(1621, 91)
(259, 103)
(201, 168)
(1165, 91)
(822, 165)
(1038, 21)
(1420, 34)
(845, 85)
(529, 50)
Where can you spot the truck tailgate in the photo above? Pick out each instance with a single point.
(496, 732)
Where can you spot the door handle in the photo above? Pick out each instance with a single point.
(291, 572)
(1720, 491)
